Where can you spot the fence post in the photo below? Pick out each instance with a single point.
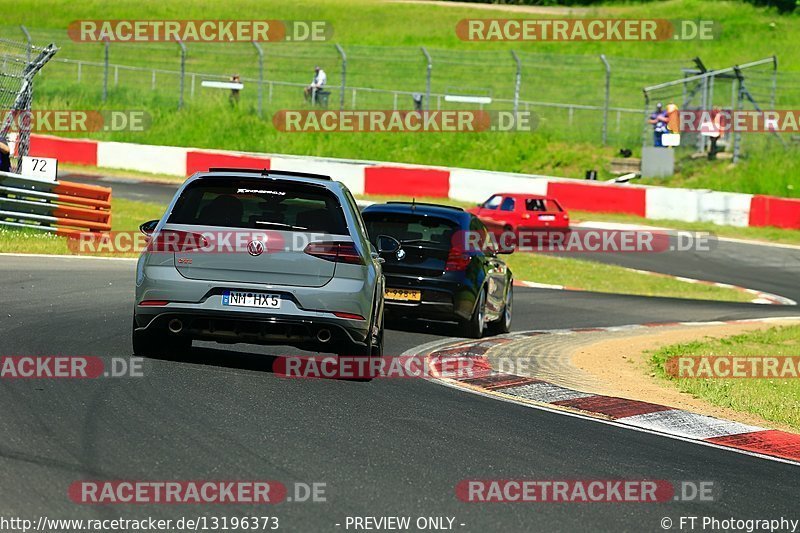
(105, 68)
(646, 128)
(607, 100)
(183, 71)
(737, 135)
(29, 39)
(517, 82)
(427, 79)
(774, 82)
(260, 77)
(344, 76)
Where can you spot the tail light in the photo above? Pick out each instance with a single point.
(457, 260)
(349, 316)
(176, 241)
(153, 303)
(337, 252)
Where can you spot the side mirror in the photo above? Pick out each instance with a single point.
(149, 227)
(387, 244)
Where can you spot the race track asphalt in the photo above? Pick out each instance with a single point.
(387, 447)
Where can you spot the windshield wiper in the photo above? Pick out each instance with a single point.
(291, 226)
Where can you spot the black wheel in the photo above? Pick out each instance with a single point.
(473, 328)
(149, 343)
(503, 324)
(373, 348)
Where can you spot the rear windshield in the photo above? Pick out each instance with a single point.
(541, 204)
(408, 228)
(259, 204)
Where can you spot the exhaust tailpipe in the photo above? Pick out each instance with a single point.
(324, 335)
(175, 325)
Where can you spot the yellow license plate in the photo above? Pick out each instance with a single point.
(403, 295)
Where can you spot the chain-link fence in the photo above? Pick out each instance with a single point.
(19, 64)
(706, 97)
(590, 98)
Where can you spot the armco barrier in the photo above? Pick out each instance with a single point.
(373, 177)
(60, 207)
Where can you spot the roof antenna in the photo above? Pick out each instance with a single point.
(413, 203)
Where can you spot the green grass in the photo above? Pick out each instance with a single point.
(772, 399)
(552, 72)
(126, 215)
(599, 277)
(767, 234)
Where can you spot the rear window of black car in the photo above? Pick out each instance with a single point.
(259, 204)
(410, 228)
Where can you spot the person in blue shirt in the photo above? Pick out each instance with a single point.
(659, 120)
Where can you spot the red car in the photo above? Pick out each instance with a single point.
(515, 212)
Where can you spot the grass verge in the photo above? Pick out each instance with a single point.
(776, 400)
(128, 214)
(599, 277)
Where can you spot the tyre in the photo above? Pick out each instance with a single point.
(473, 328)
(149, 343)
(503, 324)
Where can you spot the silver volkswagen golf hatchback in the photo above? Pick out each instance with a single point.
(262, 257)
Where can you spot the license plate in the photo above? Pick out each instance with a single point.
(547, 217)
(251, 299)
(403, 295)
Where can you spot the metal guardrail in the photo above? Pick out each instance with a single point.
(60, 207)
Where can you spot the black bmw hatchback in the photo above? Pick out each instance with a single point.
(441, 263)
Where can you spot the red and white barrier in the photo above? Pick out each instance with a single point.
(372, 177)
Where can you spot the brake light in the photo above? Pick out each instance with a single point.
(177, 241)
(457, 260)
(349, 316)
(153, 303)
(337, 252)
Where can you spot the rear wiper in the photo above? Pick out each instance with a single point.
(291, 226)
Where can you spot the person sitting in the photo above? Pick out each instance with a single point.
(319, 81)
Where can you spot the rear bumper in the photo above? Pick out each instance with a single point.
(442, 299)
(312, 333)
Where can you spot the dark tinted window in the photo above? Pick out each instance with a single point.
(408, 228)
(539, 204)
(507, 205)
(259, 204)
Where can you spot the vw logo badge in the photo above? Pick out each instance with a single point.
(401, 254)
(255, 248)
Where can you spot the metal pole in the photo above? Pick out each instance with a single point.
(428, 79)
(774, 82)
(183, 71)
(646, 123)
(344, 76)
(260, 77)
(607, 98)
(517, 82)
(29, 39)
(737, 135)
(105, 68)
